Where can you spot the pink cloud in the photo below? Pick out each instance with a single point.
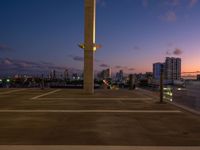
(192, 2)
(4, 47)
(177, 51)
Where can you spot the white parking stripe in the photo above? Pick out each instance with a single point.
(87, 147)
(12, 91)
(39, 96)
(90, 111)
(112, 99)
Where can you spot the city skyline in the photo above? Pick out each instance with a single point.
(134, 34)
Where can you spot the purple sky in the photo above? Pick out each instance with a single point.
(43, 34)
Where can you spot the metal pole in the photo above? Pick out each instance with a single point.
(161, 84)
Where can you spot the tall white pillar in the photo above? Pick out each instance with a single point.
(89, 45)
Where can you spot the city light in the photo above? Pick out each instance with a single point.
(167, 98)
(95, 46)
(8, 80)
(0, 80)
(179, 89)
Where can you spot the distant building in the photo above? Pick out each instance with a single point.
(52, 74)
(198, 77)
(109, 72)
(140, 76)
(149, 74)
(75, 76)
(172, 69)
(157, 70)
(120, 76)
(66, 74)
(105, 74)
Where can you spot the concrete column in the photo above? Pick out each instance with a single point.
(89, 42)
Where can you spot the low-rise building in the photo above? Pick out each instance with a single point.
(198, 77)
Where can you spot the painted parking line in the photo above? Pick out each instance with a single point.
(12, 91)
(147, 93)
(63, 147)
(99, 99)
(45, 94)
(91, 111)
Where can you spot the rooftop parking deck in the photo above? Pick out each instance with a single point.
(107, 118)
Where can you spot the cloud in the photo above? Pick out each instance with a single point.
(136, 48)
(104, 65)
(120, 67)
(124, 68)
(5, 47)
(176, 3)
(177, 51)
(171, 5)
(169, 16)
(191, 72)
(76, 58)
(80, 58)
(192, 3)
(8, 64)
(131, 69)
(173, 2)
(145, 3)
(194, 72)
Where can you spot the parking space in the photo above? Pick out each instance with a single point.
(108, 118)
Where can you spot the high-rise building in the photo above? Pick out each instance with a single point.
(109, 72)
(172, 69)
(105, 74)
(198, 77)
(66, 74)
(52, 74)
(157, 70)
(120, 76)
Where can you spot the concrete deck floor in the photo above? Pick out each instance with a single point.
(107, 118)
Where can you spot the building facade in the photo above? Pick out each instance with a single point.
(172, 69)
(120, 76)
(198, 77)
(157, 70)
(66, 74)
(105, 74)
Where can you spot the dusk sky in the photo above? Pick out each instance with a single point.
(133, 33)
